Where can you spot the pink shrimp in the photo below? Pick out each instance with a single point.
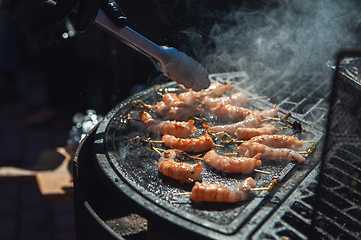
(252, 120)
(232, 164)
(215, 90)
(213, 192)
(269, 113)
(278, 141)
(175, 128)
(172, 100)
(185, 172)
(249, 149)
(236, 99)
(175, 113)
(248, 133)
(199, 144)
(230, 112)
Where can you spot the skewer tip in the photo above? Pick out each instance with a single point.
(181, 193)
(261, 171)
(260, 189)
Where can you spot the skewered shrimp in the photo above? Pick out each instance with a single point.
(212, 192)
(172, 100)
(269, 113)
(232, 164)
(175, 113)
(175, 128)
(252, 120)
(248, 133)
(236, 99)
(185, 172)
(199, 144)
(215, 90)
(230, 112)
(249, 149)
(278, 141)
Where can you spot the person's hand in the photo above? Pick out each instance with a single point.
(87, 11)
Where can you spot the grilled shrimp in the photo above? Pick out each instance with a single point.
(248, 133)
(236, 99)
(269, 113)
(232, 164)
(185, 172)
(172, 100)
(199, 144)
(215, 90)
(249, 149)
(175, 128)
(252, 120)
(231, 112)
(278, 141)
(175, 113)
(212, 192)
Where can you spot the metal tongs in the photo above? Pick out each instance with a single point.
(174, 64)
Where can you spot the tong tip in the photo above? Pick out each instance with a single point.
(185, 70)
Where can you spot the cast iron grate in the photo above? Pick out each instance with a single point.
(293, 219)
(327, 203)
(338, 215)
(338, 212)
(307, 97)
(337, 206)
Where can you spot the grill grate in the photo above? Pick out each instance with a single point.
(293, 218)
(337, 212)
(307, 97)
(332, 204)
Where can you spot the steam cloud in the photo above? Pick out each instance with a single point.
(282, 39)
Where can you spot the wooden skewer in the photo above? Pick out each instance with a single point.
(311, 149)
(300, 152)
(282, 118)
(127, 118)
(140, 103)
(252, 190)
(141, 140)
(230, 139)
(260, 189)
(181, 193)
(261, 171)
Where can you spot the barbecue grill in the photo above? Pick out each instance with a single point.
(114, 177)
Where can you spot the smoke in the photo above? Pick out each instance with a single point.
(279, 39)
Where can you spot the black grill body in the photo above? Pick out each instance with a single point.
(337, 209)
